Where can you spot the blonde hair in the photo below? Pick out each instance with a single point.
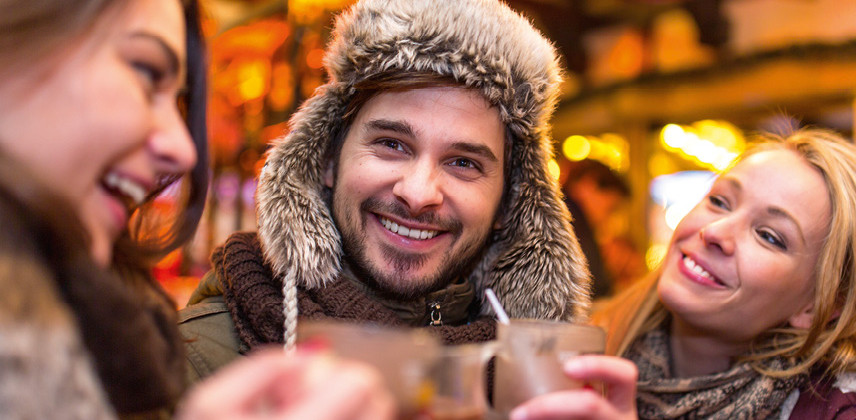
(830, 342)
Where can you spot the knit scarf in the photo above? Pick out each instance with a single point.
(254, 298)
(738, 393)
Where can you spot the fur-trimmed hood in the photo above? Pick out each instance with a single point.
(534, 264)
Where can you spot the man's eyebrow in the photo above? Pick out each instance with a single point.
(405, 129)
(477, 149)
(172, 56)
(401, 127)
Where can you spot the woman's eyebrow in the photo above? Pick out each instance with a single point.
(784, 215)
(172, 57)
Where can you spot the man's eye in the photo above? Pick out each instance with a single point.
(392, 144)
(464, 163)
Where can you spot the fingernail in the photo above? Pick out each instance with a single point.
(518, 414)
(313, 345)
(573, 365)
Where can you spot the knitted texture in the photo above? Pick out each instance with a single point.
(254, 299)
(738, 393)
(250, 291)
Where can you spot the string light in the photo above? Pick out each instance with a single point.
(708, 143)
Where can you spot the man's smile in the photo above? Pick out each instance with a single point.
(412, 233)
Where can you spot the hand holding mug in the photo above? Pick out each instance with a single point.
(273, 385)
(531, 355)
(617, 376)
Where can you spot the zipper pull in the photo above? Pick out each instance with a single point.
(436, 316)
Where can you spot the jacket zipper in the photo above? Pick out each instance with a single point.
(436, 316)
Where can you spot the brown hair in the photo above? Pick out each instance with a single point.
(130, 331)
(605, 178)
(34, 30)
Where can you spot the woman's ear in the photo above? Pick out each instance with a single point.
(802, 319)
(329, 175)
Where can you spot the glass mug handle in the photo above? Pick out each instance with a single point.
(459, 386)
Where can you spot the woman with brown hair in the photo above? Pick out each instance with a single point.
(102, 107)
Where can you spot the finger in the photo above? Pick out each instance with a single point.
(574, 404)
(350, 390)
(256, 375)
(618, 376)
(381, 407)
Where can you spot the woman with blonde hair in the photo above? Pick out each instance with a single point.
(752, 313)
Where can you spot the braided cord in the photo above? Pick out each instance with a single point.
(289, 310)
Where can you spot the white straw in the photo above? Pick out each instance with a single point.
(497, 307)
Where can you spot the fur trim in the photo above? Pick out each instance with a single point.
(535, 264)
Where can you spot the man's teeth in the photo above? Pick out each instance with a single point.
(126, 187)
(695, 268)
(410, 233)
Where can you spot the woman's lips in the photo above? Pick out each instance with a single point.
(697, 272)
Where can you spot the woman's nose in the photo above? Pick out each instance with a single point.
(719, 234)
(171, 144)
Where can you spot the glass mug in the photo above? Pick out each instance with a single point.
(530, 355)
(458, 381)
(434, 382)
(404, 357)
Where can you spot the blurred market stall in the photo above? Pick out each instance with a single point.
(655, 88)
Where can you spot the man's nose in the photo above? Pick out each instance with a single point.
(419, 187)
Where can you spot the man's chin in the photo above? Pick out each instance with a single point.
(405, 287)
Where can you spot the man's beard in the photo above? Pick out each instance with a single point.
(397, 284)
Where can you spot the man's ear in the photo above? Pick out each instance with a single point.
(329, 174)
(802, 319)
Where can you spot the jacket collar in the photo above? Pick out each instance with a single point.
(450, 305)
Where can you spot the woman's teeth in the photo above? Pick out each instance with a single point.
(695, 268)
(404, 231)
(118, 184)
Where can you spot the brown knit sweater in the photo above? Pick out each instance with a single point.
(254, 299)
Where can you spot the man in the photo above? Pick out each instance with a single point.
(593, 192)
(413, 180)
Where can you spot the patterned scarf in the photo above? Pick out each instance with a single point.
(738, 393)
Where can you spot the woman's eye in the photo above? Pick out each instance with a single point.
(772, 239)
(717, 201)
(152, 75)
